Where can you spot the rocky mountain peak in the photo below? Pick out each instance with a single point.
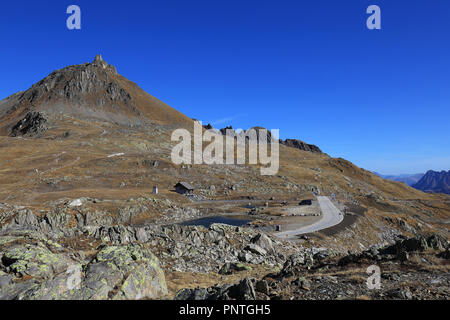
(91, 90)
(98, 58)
(434, 181)
(86, 90)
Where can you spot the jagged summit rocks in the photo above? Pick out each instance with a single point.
(99, 62)
(292, 143)
(298, 144)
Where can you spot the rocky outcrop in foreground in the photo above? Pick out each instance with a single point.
(33, 266)
(413, 268)
(181, 248)
(91, 255)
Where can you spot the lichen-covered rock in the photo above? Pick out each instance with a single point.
(123, 272)
(5, 279)
(17, 291)
(62, 286)
(33, 267)
(42, 259)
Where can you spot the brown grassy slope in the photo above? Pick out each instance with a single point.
(81, 161)
(152, 108)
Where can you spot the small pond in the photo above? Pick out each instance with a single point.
(208, 221)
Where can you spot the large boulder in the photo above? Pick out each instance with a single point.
(254, 248)
(34, 267)
(124, 272)
(231, 267)
(263, 242)
(34, 261)
(296, 263)
(243, 290)
(194, 294)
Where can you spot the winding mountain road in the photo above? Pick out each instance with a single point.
(331, 216)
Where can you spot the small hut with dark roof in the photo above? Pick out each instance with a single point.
(184, 188)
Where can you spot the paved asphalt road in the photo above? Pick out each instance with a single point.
(331, 216)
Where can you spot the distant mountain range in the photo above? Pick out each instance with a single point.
(433, 181)
(409, 179)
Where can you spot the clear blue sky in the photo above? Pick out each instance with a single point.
(312, 69)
